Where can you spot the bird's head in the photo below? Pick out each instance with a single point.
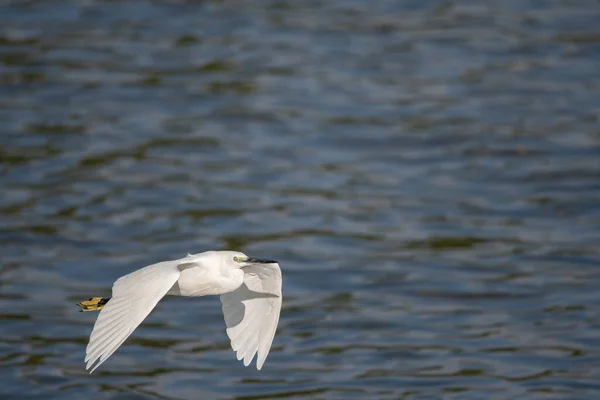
(240, 260)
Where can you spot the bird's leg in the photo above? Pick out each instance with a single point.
(93, 304)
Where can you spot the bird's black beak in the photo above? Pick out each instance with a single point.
(252, 260)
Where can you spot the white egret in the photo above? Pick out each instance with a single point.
(250, 290)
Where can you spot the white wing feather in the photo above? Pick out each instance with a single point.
(252, 312)
(133, 297)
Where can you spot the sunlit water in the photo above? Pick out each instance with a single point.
(427, 174)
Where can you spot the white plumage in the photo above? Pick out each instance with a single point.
(250, 290)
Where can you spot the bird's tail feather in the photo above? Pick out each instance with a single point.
(93, 304)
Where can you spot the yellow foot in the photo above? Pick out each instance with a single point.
(93, 304)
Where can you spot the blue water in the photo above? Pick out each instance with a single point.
(427, 173)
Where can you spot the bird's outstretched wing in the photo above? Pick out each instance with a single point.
(252, 312)
(133, 297)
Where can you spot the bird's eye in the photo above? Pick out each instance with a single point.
(237, 259)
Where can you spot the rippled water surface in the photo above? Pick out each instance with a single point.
(426, 172)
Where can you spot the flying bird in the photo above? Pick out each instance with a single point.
(250, 290)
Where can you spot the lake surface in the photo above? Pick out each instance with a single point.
(427, 173)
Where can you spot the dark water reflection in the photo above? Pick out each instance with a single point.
(428, 173)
